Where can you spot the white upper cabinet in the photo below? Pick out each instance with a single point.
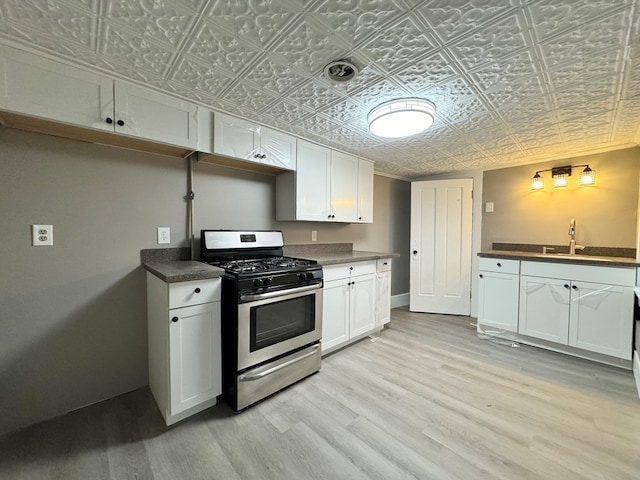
(38, 87)
(344, 187)
(324, 187)
(249, 141)
(140, 112)
(365, 191)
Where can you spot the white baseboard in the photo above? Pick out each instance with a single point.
(401, 300)
(636, 369)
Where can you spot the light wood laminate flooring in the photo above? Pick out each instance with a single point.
(427, 399)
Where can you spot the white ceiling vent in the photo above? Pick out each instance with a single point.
(341, 71)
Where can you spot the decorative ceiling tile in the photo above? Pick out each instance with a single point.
(313, 95)
(454, 18)
(498, 40)
(551, 17)
(587, 41)
(164, 22)
(192, 74)
(398, 44)
(357, 21)
(138, 52)
(309, 48)
(256, 22)
(52, 19)
(221, 50)
(422, 74)
(514, 81)
(244, 95)
(274, 77)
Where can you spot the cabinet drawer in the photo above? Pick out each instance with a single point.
(346, 270)
(184, 294)
(499, 265)
(383, 265)
(581, 273)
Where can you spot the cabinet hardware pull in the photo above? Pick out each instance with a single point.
(197, 290)
(175, 319)
(575, 287)
(120, 122)
(499, 264)
(481, 276)
(415, 252)
(109, 120)
(566, 285)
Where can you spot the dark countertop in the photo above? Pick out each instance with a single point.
(562, 258)
(335, 258)
(172, 271)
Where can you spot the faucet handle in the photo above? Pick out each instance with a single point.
(547, 249)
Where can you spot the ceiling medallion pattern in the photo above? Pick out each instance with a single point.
(513, 82)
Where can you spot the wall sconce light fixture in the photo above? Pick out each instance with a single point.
(561, 176)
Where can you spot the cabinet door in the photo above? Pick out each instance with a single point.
(365, 191)
(335, 313)
(279, 149)
(194, 355)
(544, 308)
(154, 116)
(32, 85)
(234, 137)
(344, 187)
(312, 182)
(383, 299)
(601, 318)
(363, 304)
(498, 302)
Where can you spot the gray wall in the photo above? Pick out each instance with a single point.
(74, 315)
(605, 214)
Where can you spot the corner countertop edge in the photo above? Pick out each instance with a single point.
(173, 271)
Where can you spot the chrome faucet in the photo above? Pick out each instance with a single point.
(572, 242)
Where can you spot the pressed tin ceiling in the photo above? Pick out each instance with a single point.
(514, 81)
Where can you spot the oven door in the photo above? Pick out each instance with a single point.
(274, 323)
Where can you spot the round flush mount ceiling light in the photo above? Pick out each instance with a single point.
(340, 71)
(401, 118)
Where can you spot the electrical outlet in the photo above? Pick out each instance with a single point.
(164, 235)
(42, 235)
(314, 235)
(488, 207)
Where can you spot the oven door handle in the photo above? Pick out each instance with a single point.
(279, 293)
(269, 371)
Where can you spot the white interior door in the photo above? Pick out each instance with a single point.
(441, 214)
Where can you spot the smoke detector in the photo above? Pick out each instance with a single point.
(340, 71)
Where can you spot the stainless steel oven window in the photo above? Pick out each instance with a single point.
(276, 322)
(247, 357)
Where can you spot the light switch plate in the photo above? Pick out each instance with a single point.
(42, 235)
(488, 207)
(314, 235)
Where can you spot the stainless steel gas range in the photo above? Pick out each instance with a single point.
(271, 313)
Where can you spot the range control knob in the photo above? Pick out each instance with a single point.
(257, 282)
(310, 275)
(302, 276)
(266, 281)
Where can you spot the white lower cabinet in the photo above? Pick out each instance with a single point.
(498, 295)
(544, 308)
(586, 307)
(383, 293)
(349, 303)
(185, 374)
